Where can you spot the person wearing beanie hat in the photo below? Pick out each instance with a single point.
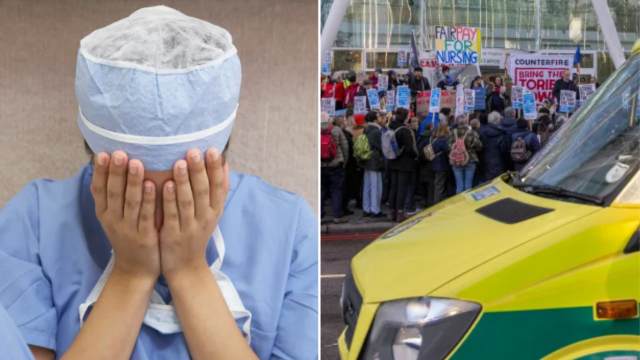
(155, 249)
(531, 141)
(417, 83)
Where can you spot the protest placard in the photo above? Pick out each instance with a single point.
(529, 106)
(391, 100)
(567, 101)
(460, 99)
(480, 98)
(402, 58)
(458, 45)
(326, 63)
(374, 101)
(434, 101)
(427, 60)
(469, 100)
(422, 102)
(383, 82)
(360, 105)
(403, 97)
(516, 97)
(448, 100)
(538, 73)
(328, 105)
(586, 91)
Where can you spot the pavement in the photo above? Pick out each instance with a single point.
(336, 257)
(357, 223)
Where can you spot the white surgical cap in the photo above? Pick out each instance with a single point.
(157, 84)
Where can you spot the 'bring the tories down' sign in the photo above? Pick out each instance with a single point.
(458, 45)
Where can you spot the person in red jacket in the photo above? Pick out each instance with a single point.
(351, 91)
(331, 88)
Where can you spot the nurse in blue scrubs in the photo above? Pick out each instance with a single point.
(155, 250)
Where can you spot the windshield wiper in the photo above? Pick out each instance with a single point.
(557, 191)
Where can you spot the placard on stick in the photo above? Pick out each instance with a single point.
(391, 100)
(434, 101)
(328, 105)
(422, 102)
(460, 100)
(529, 105)
(469, 100)
(383, 82)
(374, 101)
(567, 101)
(403, 97)
(360, 105)
(516, 97)
(586, 91)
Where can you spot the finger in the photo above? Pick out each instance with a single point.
(99, 182)
(216, 179)
(199, 183)
(184, 193)
(133, 193)
(116, 184)
(171, 221)
(146, 220)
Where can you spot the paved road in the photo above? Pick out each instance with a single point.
(336, 257)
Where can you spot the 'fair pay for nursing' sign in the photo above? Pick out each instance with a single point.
(538, 73)
(457, 45)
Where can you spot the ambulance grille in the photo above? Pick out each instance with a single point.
(511, 211)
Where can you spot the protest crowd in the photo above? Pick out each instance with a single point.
(377, 149)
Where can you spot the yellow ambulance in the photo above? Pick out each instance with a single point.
(544, 264)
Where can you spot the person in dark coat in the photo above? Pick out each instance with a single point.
(426, 175)
(509, 123)
(373, 167)
(565, 83)
(401, 168)
(350, 168)
(366, 85)
(448, 83)
(530, 139)
(416, 84)
(393, 80)
(440, 165)
(495, 148)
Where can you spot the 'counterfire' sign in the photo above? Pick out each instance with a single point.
(538, 73)
(458, 45)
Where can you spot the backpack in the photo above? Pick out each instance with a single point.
(519, 152)
(390, 147)
(361, 148)
(328, 147)
(459, 155)
(428, 152)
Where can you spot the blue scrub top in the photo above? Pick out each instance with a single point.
(53, 251)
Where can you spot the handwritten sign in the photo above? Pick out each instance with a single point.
(422, 102)
(328, 105)
(469, 100)
(403, 97)
(383, 82)
(529, 105)
(391, 100)
(326, 64)
(567, 101)
(516, 97)
(460, 99)
(402, 58)
(374, 101)
(458, 45)
(360, 105)
(434, 101)
(586, 91)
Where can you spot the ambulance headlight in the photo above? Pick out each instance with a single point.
(420, 328)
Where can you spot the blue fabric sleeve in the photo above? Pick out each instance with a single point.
(11, 342)
(25, 291)
(297, 337)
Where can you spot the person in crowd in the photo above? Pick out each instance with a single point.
(366, 85)
(497, 95)
(564, 83)
(480, 101)
(426, 175)
(373, 167)
(544, 128)
(440, 164)
(475, 124)
(593, 80)
(332, 169)
(333, 89)
(418, 83)
(351, 91)
(464, 174)
(445, 71)
(495, 149)
(374, 78)
(530, 141)
(393, 79)
(410, 207)
(550, 106)
(359, 126)
(476, 83)
(448, 83)
(350, 168)
(401, 168)
(508, 123)
(357, 130)
(382, 95)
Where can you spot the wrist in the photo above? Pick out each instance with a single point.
(135, 281)
(187, 272)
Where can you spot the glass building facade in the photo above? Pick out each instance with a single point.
(372, 31)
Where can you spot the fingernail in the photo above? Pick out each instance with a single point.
(133, 169)
(100, 160)
(170, 188)
(183, 169)
(195, 157)
(215, 154)
(117, 159)
(147, 188)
